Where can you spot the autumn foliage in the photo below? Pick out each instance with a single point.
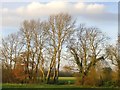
(19, 73)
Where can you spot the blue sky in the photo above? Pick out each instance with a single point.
(103, 15)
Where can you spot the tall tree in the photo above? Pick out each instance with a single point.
(87, 47)
(61, 27)
(39, 44)
(34, 33)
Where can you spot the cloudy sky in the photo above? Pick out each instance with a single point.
(103, 15)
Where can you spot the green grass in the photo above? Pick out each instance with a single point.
(64, 82)
(37, 86)
(63, 87)
(67, 78)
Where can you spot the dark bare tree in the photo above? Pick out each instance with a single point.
(87, 47)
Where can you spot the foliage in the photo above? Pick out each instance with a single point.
(19, 73)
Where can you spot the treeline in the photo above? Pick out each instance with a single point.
(34, 54)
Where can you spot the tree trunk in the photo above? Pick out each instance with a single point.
(53, 62)
(54, 75)
(49, 71)
(57, 72)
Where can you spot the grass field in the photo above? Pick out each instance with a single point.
(67, 80)
(64, 82)
(38, 86)
(52, 87)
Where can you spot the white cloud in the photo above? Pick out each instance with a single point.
(40, 9)
(80, 6)
(90, 8)
(37, 10)
(58, 6)
(5, 9)
(95, 8)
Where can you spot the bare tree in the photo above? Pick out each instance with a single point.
(61, 26)
(34, 33)
(87, 48)
(113, 55)
(39, 44)
(11, 48)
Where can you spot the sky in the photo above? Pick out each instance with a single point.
(103, 15)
